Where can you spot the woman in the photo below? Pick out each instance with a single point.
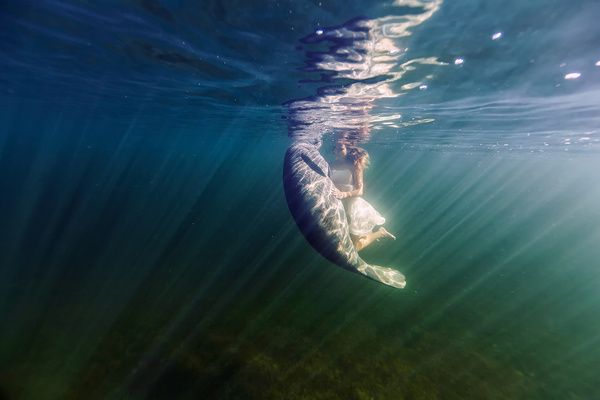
(347, 175)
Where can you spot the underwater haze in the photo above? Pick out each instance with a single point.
(147, 250)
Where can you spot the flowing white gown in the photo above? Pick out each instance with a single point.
(362, 216)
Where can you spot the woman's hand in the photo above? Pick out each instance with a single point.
(339, 194)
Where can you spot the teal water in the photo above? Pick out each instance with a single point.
(146, 248)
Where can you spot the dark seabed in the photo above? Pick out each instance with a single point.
(147, 250)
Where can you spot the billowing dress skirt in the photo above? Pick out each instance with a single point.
(362, 216)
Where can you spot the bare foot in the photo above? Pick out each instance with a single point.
(385, 233)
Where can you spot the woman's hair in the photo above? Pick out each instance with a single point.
(358, 156)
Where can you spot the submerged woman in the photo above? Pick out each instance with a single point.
(347, 175)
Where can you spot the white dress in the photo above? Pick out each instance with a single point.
(362, 217)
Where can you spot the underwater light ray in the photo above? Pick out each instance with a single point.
(44, 168)
(117, 302)
(431, 220)
(277, 304)
(493, 214)
(491, 273)
(450, 201)
(96, 328)
(188, 312)
(50, 277)
(277, 300)
(459, 297)
(232, 292)
(46, 165)
(20, 219)
(456, 225)
(204, 187)
(183, 314)
(417, 186)
(516, 309)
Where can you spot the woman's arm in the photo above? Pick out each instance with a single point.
(358, 184)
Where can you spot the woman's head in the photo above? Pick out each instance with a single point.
(357, 156)
(340, 150)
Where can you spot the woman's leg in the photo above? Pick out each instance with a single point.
(360, 242)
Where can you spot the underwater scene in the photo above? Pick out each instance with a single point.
(324, 199)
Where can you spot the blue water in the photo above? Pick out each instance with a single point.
(146, 248)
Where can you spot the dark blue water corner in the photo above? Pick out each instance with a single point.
(148, 250)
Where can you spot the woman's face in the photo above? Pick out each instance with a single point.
(340, 150)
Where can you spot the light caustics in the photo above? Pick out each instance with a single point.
(363, 62)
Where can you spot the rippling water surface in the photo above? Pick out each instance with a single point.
(146, 249)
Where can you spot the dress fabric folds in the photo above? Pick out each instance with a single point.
(362, 216)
